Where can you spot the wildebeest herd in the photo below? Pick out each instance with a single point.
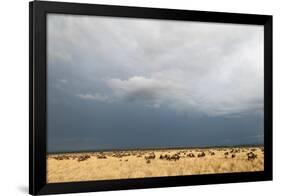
(150, 155)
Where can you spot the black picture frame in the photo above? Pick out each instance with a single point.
(37, 96)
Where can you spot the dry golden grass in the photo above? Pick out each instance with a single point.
(147, 163)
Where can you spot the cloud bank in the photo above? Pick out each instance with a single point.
(189, 67)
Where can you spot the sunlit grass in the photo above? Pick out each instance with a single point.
(139, 164)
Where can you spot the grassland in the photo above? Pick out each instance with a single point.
(70, 167)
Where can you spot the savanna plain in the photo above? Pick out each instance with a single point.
(107, 165)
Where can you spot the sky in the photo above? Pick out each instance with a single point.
(127, 83)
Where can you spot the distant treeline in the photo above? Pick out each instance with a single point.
(160, 148)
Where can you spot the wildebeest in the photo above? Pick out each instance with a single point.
(202, 154)
(233, 150)
(101, 156)
(150, 156)
(175, 157)
(83, 158)
(233, 156)
(251, 156)
(63, 157)
(166, 156)
(226, 154)
(120, 154)
(191, 155)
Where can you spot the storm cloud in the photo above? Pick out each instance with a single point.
(208, 70)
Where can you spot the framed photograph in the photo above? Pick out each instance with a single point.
(132, 97)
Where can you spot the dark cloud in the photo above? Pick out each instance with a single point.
(184, 69)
